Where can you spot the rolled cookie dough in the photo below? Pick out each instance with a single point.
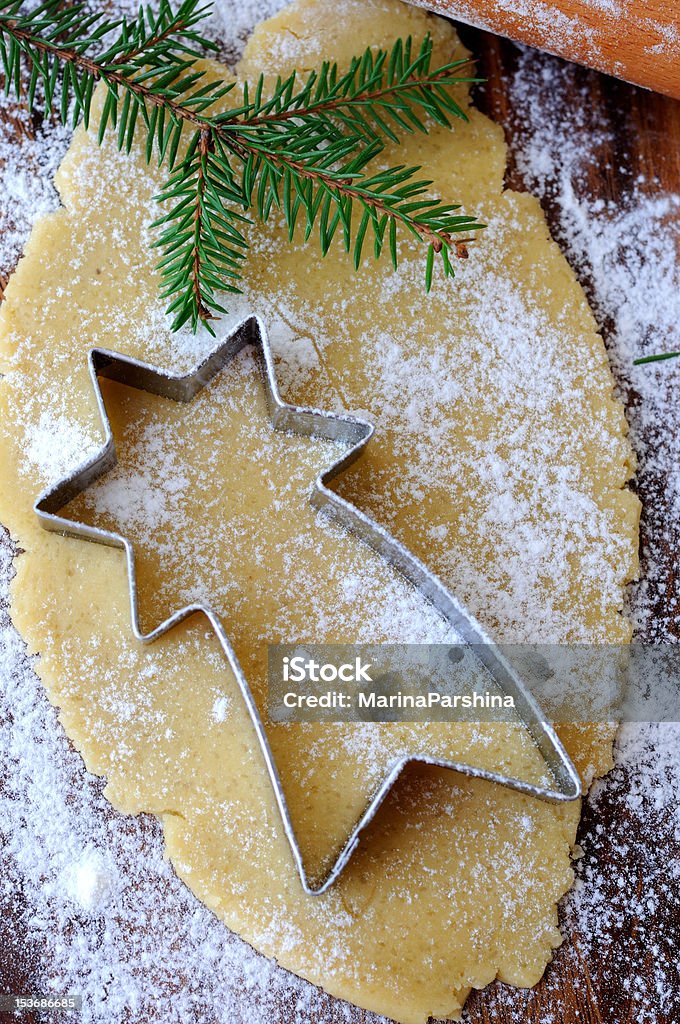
(500, 458)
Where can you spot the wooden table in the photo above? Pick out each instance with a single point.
(576, 989)
(592, 990)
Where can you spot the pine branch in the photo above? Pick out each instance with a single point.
(377, 88)
(301, 148)
(201, 237)
(151, 61)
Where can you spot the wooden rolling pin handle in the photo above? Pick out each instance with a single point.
(637, 40)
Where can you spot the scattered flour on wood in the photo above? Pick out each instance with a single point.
(626, 255)
(90, 891)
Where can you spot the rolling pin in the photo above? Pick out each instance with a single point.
(637, 40)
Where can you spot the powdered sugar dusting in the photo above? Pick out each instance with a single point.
(100, 906)
(158, 496)
(26, 174)
(621, 914)
(102, 909)
(626, 252)
(57, 444)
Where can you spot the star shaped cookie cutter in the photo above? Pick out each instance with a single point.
(354, 433)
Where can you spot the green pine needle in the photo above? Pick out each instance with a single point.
(657, 358)
(302, 147)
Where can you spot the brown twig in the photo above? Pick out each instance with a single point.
(204, 148)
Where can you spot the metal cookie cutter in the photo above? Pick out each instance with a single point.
(355, 434)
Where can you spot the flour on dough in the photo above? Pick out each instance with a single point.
(500, 458)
